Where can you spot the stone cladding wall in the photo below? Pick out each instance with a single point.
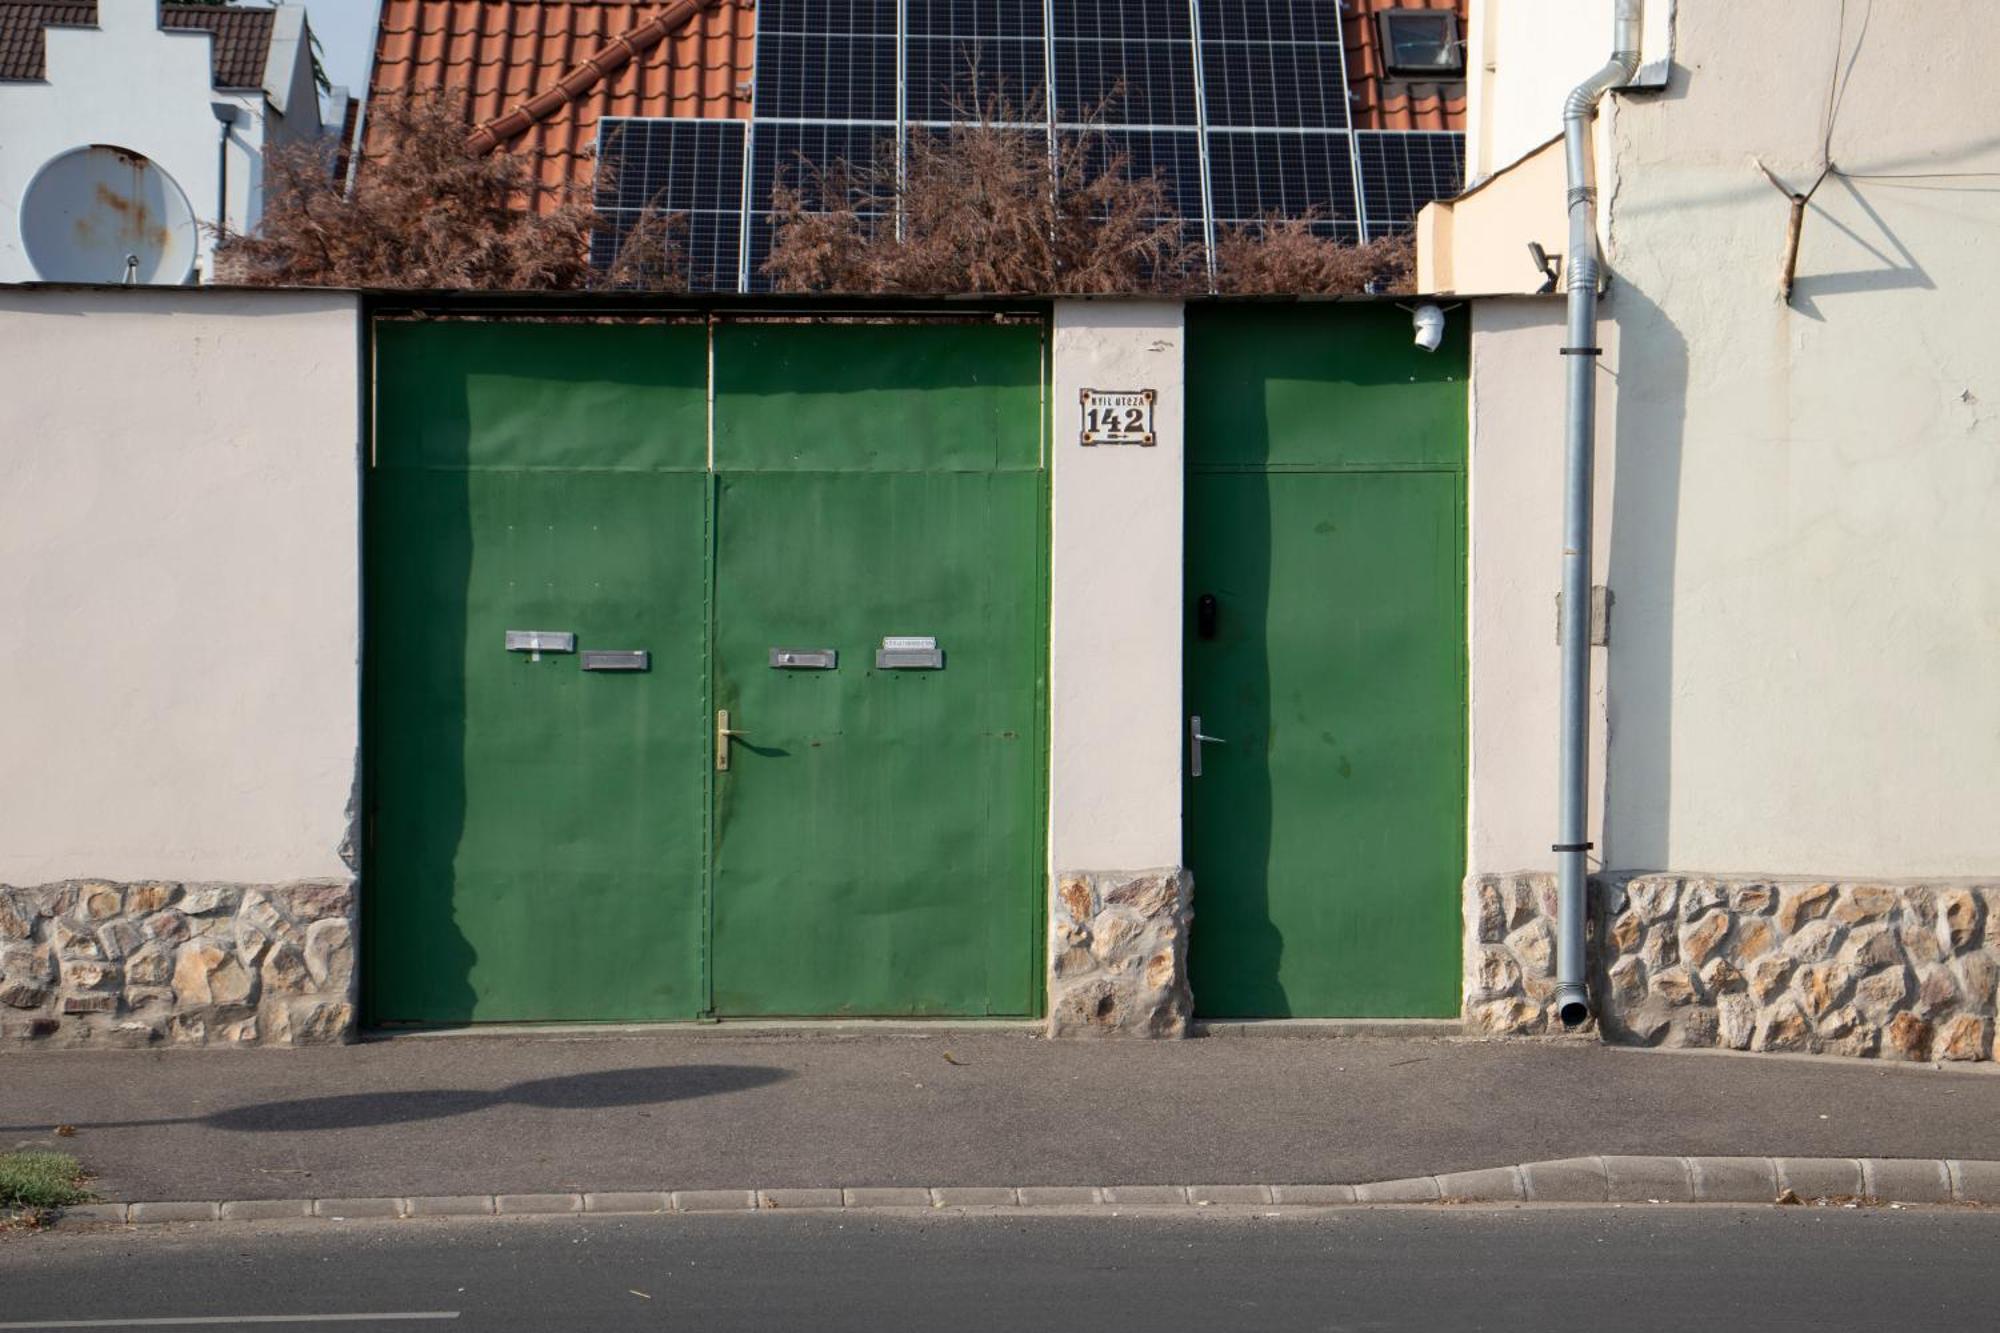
(88, 962)
(1118, 944)
(1905, 971)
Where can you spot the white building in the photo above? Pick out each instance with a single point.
(155, 83)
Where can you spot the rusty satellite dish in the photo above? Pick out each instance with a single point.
(107, 214)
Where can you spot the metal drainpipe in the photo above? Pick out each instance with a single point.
(1572, 997)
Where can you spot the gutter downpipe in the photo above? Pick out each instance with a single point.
(1572, 876)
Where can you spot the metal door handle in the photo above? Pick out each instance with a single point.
(722, 735)
(1195, 741)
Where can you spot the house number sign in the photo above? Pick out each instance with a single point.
(1117, 416)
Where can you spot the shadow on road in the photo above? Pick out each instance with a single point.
(595, 1091)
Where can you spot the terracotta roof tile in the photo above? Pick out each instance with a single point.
(504, 54)
(1382, 101)
(242, 36)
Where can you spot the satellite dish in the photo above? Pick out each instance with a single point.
(107, 214)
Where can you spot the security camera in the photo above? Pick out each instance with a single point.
(1429, 323)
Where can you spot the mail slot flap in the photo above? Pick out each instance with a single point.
(540, 641)
(620, 660)
(804, 659)
(909, 659)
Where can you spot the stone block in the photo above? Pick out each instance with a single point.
(527, 1205)
(94, 1212)
(1490, 913)
(171, 1212)
(1056, 1196)
(1700, 941)
(145, 899)
(206, 974)
(1906, 1179)
(1963, 1037)
(1733, 1179)
(1534, 947)
(1505, 1018)
(1782, 1028)
(1229, 1194)
(1567, 1180)
(972, 1196)
(1145, 1194)
(1798, 904)
(1819, 1177)
(1411, 1189)
(1961, 918)
(265, 1210)
(1975, 1181)
(1488, 1185)
(210, 899)
(356, 1209)
(1647, 1180)
(311, 901)
(1864, 902)
(1312, 1196)
(330, 953)
(450, 1205)
(886, 1197)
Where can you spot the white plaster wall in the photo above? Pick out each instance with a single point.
(1515, 513)
(129, 84)
(1115, 724)
(179, 560)
(1806, 531)
(1803, 498)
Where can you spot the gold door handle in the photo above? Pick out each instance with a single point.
(722, 735)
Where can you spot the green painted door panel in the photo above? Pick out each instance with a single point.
(1326, 834)
(479, 394)
(878, 836)
(537, 832)
(1319, 385)
(878, 397)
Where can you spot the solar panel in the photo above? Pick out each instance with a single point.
(796, 153)
(1241, 104)
(1296, 85)
(1401, 171)
(1259, 172)
(689, 171)
(1316, 21)
(826, 76)
(959, 77)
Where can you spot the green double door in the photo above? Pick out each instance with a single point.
(1325, 655)
(760, 816)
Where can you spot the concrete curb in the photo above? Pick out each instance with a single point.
(1600, 1180)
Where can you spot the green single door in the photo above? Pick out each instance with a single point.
(536, 830)
(1325, 653)
(877, 833)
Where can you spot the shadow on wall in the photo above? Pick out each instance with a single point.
(1645, 535)
(1899, 269)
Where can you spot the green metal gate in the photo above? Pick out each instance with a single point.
(758, 505)
(1325, 652)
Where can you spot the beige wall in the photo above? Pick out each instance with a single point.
(1115, 597)
(1515, 515)
(1525, 55)
(1477, 244)
(179, 562)
(1804, 497)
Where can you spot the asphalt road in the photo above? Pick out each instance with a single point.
(1641, 1268)
(669, 1109)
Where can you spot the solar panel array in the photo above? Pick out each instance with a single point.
(1241, 104)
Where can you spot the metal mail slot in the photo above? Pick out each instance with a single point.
(804, 659)
(540, 641)
(633, 660)
(909, 659)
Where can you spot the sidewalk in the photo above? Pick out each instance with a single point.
(721, 1109)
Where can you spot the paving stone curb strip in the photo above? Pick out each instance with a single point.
(1637, 1180)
